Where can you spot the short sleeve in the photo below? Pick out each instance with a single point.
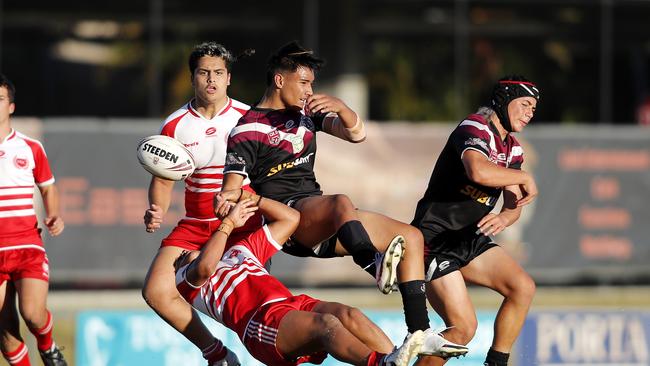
(472, 135)
(242, 151)
(262, 244)
(42, 171)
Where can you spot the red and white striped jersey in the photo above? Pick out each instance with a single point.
(23, 163)
(240, 285)
(207, 140)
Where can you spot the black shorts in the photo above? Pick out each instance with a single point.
(326, 249)
(450, 250)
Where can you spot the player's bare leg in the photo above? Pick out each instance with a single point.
(10, 338)
(495, 269)
(449, 298)
(161, 295)
(32, 295)
(355, 321)
(322, 216)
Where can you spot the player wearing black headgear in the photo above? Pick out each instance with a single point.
(481, 161)
(508, 89)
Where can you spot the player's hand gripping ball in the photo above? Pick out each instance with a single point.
(165, 157)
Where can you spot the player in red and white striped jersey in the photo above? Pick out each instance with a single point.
(203, 126)
(24, 267)
(227, 281)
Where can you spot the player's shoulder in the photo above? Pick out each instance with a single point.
(239, 107)
(179, 113)
(32, 142)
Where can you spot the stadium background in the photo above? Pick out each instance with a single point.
(94, 78)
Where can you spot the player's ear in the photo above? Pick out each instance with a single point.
(12, 108)
(278, 80)
(228, 83)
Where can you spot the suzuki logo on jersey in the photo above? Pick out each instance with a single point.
(274, 137)
(478, 195)
(21, 163)
(210, 131)
(284, 166)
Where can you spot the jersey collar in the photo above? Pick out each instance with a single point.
(196, 113)
(12, 134)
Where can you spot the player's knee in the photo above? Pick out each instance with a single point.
(342, 203)
(463, 331)
(34, 315)
(525, 289)
(328, 324)
(414, 239)
(156, 296)
(350, 316)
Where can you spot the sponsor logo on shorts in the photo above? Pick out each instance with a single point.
(433, 267)
(46, 270)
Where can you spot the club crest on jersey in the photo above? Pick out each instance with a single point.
(274, 137)
(20, 163)
(290, 123)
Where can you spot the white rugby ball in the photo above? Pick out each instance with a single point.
(165, 157)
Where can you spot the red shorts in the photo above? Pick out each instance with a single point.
(261, 332)
(193, 234)
(16, 264)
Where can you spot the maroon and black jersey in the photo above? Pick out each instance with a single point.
(452, 201)
(276, 150)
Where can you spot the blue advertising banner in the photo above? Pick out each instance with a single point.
(125, 338)
(594, 338)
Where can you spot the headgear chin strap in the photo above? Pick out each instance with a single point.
(508, 89)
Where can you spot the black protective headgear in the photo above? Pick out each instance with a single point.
(505, 91)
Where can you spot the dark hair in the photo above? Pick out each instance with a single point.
(210, 49)
(289, 57)
(11, 90)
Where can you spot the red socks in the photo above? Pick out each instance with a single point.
(19, 357)
(44, 335)
(375, 358)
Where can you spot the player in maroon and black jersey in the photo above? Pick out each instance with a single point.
(274, 145)
(480, 161)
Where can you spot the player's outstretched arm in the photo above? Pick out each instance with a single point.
(206, 263)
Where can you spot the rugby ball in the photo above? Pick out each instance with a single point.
(165, 157)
